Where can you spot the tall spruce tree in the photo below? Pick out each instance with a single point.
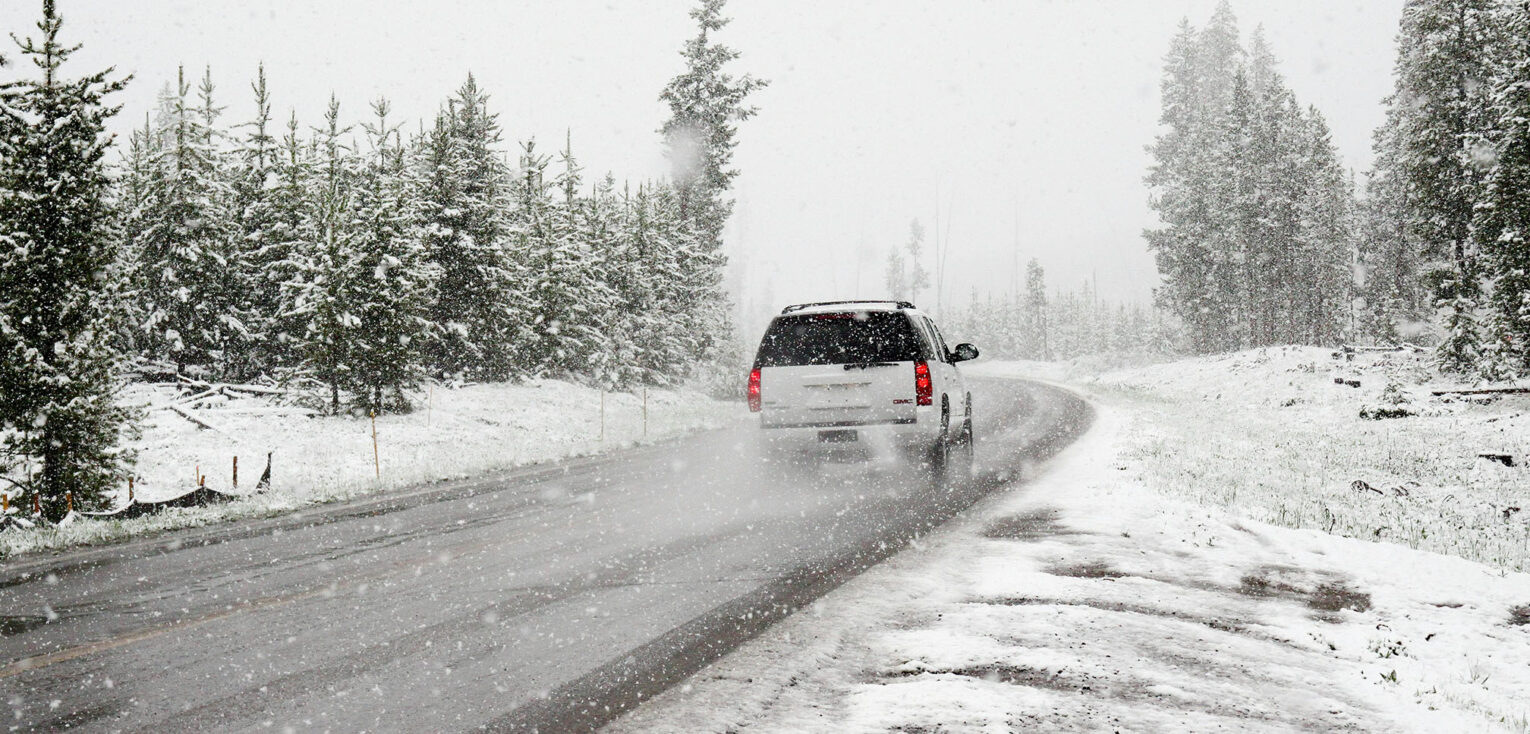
(706, 103)
(191, 282)
(1439, 107)
(391, 276)
(59, 420)
(478, 313)
(260, 246)
(1036, 332)
(328, 290)
(1503, 218)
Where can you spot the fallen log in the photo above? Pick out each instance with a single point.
(182, 412)
(254, 389)
(1483, 391)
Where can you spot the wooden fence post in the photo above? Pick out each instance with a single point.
(376, 460)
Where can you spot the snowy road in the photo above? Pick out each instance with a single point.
(549, 599)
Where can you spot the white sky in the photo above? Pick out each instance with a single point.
(1028, 117)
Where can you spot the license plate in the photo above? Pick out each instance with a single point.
(838, 437)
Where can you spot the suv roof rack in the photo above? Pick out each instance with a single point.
(801, 306)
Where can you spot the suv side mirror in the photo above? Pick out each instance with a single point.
(964, 352)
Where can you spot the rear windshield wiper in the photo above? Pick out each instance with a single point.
(864, 365)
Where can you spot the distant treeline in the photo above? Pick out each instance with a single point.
(1063, 325)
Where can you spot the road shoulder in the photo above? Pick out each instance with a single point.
(1081, 600)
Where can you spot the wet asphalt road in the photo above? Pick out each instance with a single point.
(545, 599)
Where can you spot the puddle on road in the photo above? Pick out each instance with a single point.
(1030, 526)
(1217, 623)
(1320, 591)
(1019, 675)
(1091, 570)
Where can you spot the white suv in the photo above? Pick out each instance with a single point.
(861, 378)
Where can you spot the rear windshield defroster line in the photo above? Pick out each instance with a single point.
(838, 338)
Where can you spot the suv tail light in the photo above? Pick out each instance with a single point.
(754, 390)
(924, 390)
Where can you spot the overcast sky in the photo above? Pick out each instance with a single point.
(1024, 119)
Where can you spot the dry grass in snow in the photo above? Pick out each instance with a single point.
(1269, 434)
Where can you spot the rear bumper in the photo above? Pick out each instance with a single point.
(898, 437)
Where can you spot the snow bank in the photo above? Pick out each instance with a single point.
(453, 433)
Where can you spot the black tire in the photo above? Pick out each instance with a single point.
(959, 461)
(938, 459)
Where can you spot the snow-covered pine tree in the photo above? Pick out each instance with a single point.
(1322, 290)
(478, 308)
(706, 103)
(1390, 255)
(575, 298)
(661, 349)
(1503, 217)
(1184, 154)
(696, 302)
(279, 263)
(190, 282)
(260, 243)
(391, 277)
(1440, 107)
(133, 200)
(326, 294)
(605, 229)
(564, 271)
(58, 415)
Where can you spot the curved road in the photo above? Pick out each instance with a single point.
(547, 599)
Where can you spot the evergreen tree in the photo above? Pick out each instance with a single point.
(261, 246)
(328, 290)
(289, 237)
(706, 103)
(391, 277)
(895, 277)
(1445, 51)
(190, 283)
(1390, 256)
(479, 308)
(1503, 219)
(60, 421)
(572, 302)
(1255, 236)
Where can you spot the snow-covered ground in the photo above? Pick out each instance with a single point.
(452, 433)
(1141, 583)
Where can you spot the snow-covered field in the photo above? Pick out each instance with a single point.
(1141, 583)
(1270, 435)
(453, 433)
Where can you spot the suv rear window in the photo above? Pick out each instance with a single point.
(838, 338)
